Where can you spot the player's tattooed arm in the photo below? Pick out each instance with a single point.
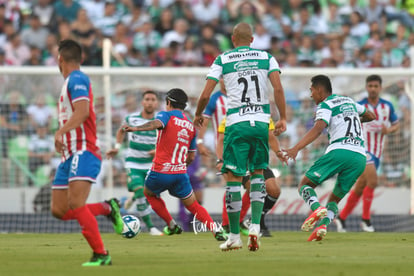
(151, 125)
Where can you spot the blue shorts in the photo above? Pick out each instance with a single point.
(372, 159)
(82, 165)
(177, 185)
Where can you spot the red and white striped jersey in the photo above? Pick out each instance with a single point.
(77, 87)
(216, 110)
(374, 140)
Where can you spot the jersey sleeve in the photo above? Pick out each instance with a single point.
(323, 112)
(164, 117)
(393, 115)
(360, 108)
(193, 144)
(222, 126)
(211, 106)
(216, 70)
(273, 65)
(78, 88)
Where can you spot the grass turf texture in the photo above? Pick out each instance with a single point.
(286, 253)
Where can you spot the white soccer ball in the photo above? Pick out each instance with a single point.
(132, 226)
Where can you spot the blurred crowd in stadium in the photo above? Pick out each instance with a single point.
(324, 33)
(321, 33)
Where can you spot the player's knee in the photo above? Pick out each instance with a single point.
(57, 212)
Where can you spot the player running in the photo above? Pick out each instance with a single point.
(141, 150)
(175, 149)
(345, 155)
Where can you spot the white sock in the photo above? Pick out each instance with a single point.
(234, 237)
(255, 228)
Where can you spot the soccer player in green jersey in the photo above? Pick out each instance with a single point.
(345, 155)
(141, 150)
(245, 73)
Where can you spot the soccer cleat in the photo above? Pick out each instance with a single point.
(310, 222)
(115, 215)
(264, 232)
(155, 232)
(253, 241)
(318, 234)
(340, 225)
(231, 245)
(176, 230)
(244, 227)
(367, 226)
(99, 259)
(220, 236)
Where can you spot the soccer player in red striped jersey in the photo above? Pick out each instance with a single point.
(175, 149)
(76, 140)
(374, 133)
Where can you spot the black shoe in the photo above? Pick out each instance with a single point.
(264, 232)
(340, 225)
(220, 236)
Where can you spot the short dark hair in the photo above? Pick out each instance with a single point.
(374, 78)
(177, 98)
(324, 81)
(70, 50)
(150, 92)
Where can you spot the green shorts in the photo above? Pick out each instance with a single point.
(347, 164)
(246, 148)
(136, 179)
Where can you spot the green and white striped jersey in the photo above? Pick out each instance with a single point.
(341, 114)
(245, 73)
(139, 144)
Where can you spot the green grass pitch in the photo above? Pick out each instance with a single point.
(286, 253)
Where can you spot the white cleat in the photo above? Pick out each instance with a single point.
(366, 226)
(231, 245)
(340, 225)
(155, 232)
(253, 241)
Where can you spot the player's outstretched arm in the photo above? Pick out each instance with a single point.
(120, 135)
(368, 116)
(151, 125)
(275, 146)
(309, 137)
(203, 101)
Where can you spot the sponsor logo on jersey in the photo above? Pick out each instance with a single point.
(79, 87)
(246, 65)
(183, 123)
(167, 167)
(251, 109)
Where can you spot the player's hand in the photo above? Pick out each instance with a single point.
(384, 130)
(291, 153)
(280, 127)
(198, 121)
(151, 152)
(203, 150)
(127, 128)
(219, 165)
(282, 157)
(111, 153)
(59, 146)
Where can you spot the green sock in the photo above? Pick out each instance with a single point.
(332, 212)
(233, 205)
(148, 222)
(257, 195)
(309, 196)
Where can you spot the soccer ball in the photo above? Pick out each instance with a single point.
(132, 226)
